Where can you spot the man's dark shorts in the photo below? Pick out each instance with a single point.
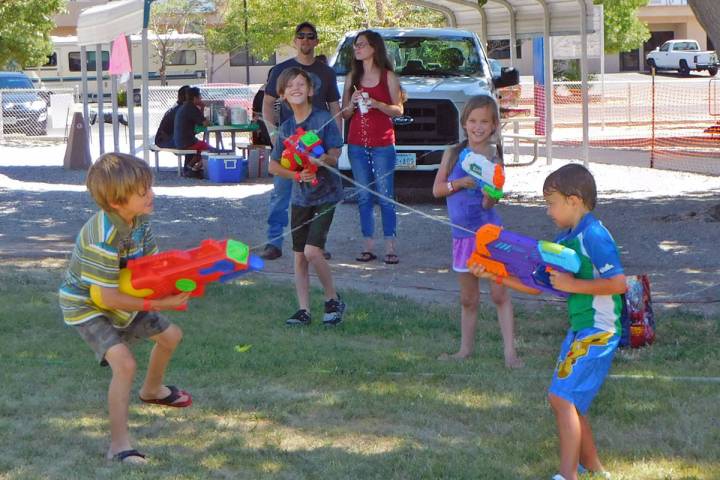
(310, 225)
(100, 334)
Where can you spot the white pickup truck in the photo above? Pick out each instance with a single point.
(439, 69)
(683, 56)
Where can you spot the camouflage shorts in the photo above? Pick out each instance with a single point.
(100, 334)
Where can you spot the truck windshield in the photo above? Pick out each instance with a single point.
(422, 56)
(15, 82)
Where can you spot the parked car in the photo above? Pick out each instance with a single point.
(683, 56)
(439, 70)
(24, 108)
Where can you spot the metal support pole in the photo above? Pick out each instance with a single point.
(548, 82)
(145, 97)
(114, 102)
(584, 85)
(130, 85)
(652, 137)
(84, 75)
(602, 63)
(100, 97)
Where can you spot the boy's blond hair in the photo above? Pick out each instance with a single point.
(114, 177)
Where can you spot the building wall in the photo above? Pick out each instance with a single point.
(678, 19)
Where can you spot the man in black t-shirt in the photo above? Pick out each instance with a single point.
(326, 96)
(165, 131)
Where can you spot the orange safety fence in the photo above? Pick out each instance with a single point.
(659, 122)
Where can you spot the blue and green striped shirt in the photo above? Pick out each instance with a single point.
(103, 246)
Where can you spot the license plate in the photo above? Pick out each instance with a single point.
(405, 160)
(9, 120)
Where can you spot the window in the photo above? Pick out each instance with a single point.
(686, 46)
(74, 61)
(239, 58)
(450, 55)
(182, 57)
(52, 60)
(665, 47)
(500, 49)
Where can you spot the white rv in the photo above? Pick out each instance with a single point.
(187, 63)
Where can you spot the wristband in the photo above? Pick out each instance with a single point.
(147, 305)
(450, 187)
(298, 178)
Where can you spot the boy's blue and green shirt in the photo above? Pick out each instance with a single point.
(599, 258)
(103, 246)
(329, 188)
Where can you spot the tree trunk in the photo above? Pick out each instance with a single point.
(380, 11)
(708, 14)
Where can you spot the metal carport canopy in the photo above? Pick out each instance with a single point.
(513, 19)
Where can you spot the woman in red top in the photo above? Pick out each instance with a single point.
(371, 98)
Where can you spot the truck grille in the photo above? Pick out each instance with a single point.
(435, 122)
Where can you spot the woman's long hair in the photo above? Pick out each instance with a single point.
(380, 57)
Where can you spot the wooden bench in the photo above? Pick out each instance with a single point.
(178, 152)
(530, 138)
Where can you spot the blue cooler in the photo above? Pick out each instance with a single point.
(226, 168)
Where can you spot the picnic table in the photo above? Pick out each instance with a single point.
(514, 117)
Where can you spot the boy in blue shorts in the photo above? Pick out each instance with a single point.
(122, 186)
(594, 306)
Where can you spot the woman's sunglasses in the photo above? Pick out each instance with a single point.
(303, 35)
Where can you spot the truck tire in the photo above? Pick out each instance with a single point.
(684, 69)
(712, 71)
(651, 64)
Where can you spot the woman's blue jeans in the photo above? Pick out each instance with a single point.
(374, 167)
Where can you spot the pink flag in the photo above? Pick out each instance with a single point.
(120, 62)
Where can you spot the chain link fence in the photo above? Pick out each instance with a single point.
(32, 114)
(661, 124)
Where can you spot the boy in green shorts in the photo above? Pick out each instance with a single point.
(122, 186)
(594, 306)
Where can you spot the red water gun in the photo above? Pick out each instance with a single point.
(175, 271)
(298, 149)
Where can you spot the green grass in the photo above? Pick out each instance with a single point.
(365, 400)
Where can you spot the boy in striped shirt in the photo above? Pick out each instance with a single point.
(122, 186)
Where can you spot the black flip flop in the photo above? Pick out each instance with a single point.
(366, 257)
(391, 259)
(121, 456)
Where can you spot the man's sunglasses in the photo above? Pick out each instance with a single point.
(303, 35)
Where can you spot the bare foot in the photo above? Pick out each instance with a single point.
(455, 357)
(514, 362)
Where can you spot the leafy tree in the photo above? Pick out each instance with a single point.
(623, 30)
(25, 27)
(271, 22)
(176, 16)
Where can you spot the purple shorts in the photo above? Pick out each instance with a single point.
(462, 249)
